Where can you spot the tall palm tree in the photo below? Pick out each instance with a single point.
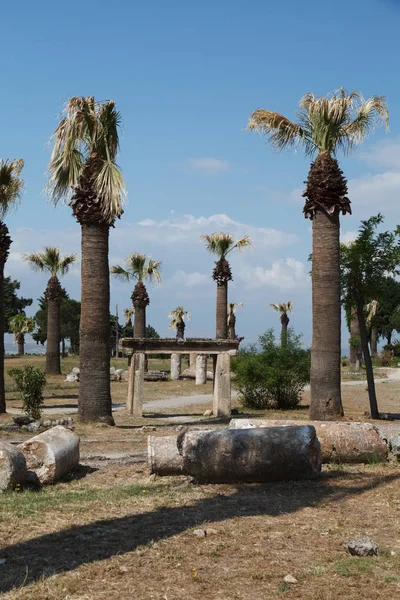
(355, 339)
(231, 320)
(139, 268)
(325, 125)
(11, 186)
(283, 309)
(221, 244)
(179, 315)
(83, 171)
(50, 261)
(20, 324)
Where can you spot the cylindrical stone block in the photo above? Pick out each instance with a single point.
(163, 455)
(176, 361)
(340, 441)
(12, 466)
(201, 369)
(192, 361)
(52, 454)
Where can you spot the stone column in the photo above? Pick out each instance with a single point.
(131, 377)
(201, 369)
(176, 360)
(138, 384)
(222, 386)
(192, 361)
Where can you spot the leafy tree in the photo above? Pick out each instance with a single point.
(283, 309)
(83, 171)
(221, 244)
(365, 263)
(386, 318)
(13, 305)
(70, 318)
(11, 186)
(274, 377)
(50, 261)
(139, 268)
(325, 125)
(19, 325)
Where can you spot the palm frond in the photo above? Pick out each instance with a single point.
(325, 124)
(178, 315)
(279, 131)
(232, 306)
(153, 270)
(111, 188)
(283, 307)
(120, 273)
(11, 185)
(50, 259)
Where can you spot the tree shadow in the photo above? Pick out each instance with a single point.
(66, 550)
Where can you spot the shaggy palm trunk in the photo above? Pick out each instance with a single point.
(140, 300)
(354, 334)
(232, 327)
(94, 390)
(21, 344)
(5, 243)
(222, 314)
(367, 359)
(326, 401)
(54, 295)
(285, 323)
(374, 341)
(180, 331)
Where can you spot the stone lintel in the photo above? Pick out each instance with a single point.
(129, 346)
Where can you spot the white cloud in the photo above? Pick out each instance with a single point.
(385, 153)
(348, 236)
(208, 166)
(189, 279)
(371, 194)
(284, 274)
(189, 227)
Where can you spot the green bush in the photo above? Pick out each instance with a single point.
(274, 377)
(29, 383)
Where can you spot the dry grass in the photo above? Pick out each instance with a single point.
(109, 532)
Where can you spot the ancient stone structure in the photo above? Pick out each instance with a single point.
(176, 362)
(12, 467)
(221, 351)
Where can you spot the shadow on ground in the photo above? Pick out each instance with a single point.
(67, 550)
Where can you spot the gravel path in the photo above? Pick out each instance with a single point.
(178, 401)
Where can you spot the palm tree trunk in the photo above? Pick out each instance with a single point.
(367, 359)
(53, 364)
(222, 310)
(2, 388)
(285, 323)
(21, 344)
(374, 341)
(5, 243)
(139, 326)
(326, 402)
(354, 333)
(63, 347)
(94, 401)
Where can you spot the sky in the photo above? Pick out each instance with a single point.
(185, 76)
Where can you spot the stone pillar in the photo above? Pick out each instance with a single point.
(176, 360)
(192, 361)
(201, 369)
(138, 384)
(222, 386)
(131, 377)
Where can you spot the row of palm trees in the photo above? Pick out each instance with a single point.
(83, 172)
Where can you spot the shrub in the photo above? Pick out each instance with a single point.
(345, 361)
(274, 377)
(386, 357)
(29, 383)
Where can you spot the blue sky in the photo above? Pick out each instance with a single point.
(185, 77)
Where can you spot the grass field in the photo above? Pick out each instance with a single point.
(110, 532)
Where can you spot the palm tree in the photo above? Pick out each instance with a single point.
(20, 324)
(231, 320)
(50, 261)
(325, 125)
(221, 244)
(179, 315)
(83, 171)
(11, 186)
(139, 268)
(283, 309)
